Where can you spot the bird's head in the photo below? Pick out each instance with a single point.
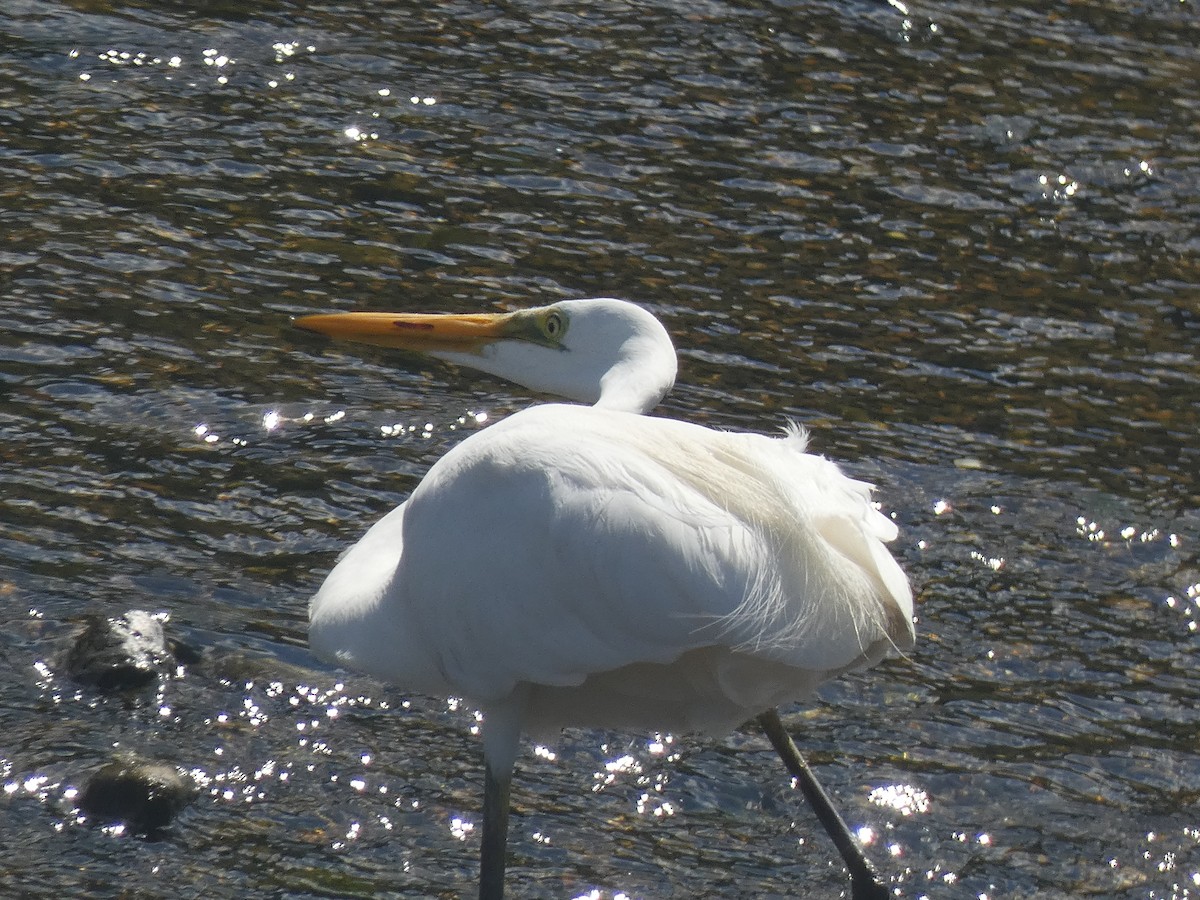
(604, 351)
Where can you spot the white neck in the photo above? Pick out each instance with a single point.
(614, 355)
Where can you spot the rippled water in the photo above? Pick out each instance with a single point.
(961, 246)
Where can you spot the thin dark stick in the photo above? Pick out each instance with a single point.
(493, 845)
(864, 880)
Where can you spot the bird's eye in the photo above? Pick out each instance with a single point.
(553, 325)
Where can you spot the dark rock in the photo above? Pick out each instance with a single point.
(124, 653)
(145, 795)
(185, 654)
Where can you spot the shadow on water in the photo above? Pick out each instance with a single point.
(960, 246)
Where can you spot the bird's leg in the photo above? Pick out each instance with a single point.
(864, 880)
(501, 740)
(494, 843)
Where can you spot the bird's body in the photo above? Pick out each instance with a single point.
(594, 566)
(622, 571)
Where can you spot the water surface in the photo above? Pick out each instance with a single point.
(959, 246)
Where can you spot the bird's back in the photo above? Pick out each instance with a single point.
(630, 571)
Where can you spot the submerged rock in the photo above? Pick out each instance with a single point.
(143, 794)
(126, 652)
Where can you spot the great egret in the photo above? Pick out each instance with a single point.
(594, 566)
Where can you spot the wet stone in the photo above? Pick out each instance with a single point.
(144, 795)
(124, 653)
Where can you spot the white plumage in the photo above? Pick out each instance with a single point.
(576, 565)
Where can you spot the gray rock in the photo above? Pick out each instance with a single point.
(124, 653)
(145, 795)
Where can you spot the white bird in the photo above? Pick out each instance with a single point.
(594, 566)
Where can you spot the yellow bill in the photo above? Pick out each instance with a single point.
(422, 332)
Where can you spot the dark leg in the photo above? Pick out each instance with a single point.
(864, 881)
(494, 842)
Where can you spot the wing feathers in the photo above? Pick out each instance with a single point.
(567, 542)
